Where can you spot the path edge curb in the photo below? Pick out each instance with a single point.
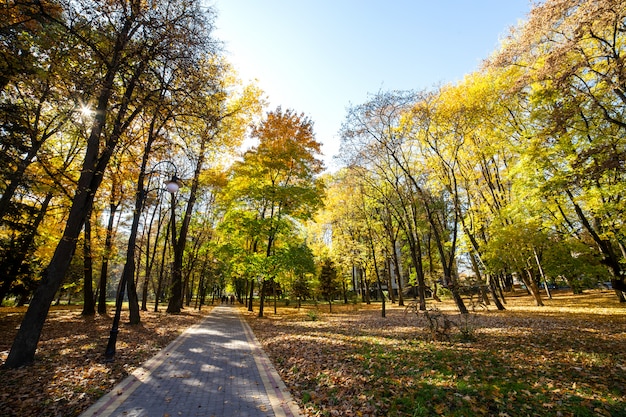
(280, 398)
(110, 401)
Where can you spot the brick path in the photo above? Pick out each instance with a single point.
(216, 368)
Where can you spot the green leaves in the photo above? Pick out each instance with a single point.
(270, 192)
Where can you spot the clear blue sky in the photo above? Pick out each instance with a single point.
(318, 57)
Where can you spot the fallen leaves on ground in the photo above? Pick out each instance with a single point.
(565, 359)
(69, 374)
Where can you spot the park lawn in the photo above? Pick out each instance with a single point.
(567, 358)
(68, 374)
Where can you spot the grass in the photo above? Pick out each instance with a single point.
(565, 359)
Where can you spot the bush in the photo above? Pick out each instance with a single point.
(312, 314)
(467, 327)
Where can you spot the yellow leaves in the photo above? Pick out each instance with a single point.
(356, 362)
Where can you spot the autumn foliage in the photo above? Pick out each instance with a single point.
(565, 359)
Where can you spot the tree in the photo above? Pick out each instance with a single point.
(335, 232)
(125, 39)
(36, 104)
(113, 204)
(377, 141)
(217, 123)
(298, 266)
(275, 185)
(570, 60)
(328, 282)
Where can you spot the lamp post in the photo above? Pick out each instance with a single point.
(172, 187)
(129, 267)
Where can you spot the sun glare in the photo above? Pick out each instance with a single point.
(86, 111)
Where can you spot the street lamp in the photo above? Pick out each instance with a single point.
(173, 186)
(129, 267)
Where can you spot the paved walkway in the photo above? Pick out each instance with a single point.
(216, 368)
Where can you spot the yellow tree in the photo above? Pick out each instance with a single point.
(125, 38)
(337, 232)
(470, 155)
(570, 59)
(275, 186)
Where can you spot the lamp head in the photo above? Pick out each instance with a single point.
(172, 185)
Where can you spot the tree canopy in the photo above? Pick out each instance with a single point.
(511, 178)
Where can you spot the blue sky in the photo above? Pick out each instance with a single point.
(319, 57)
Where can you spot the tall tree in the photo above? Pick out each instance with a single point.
(375, 141)
(276, 183)
(570, 59)
(216, 126)
(125, 37)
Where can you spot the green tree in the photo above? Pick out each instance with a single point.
(328, 282)
(298, 264)
(275, 185)
(570, 60)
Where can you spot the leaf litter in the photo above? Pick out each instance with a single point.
(566, 359)
(69, 374)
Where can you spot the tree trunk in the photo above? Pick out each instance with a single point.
(128, 274)
(366, 286)
(150, 258)
(133, 299)
(383, 311)
(27, 338)
(144, 290)
(392, 295)
(532, 287)
(416, 258)
(251, 299)
(108, 246)
(157, 295)
(456, 296)
(262, 300)
(89, 307)
(494, 294)
(274, 295)
(396, 264)
(189, 284)
(545, 280)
